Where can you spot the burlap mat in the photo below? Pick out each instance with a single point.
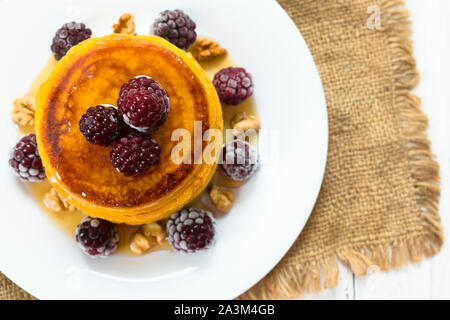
(379, 201)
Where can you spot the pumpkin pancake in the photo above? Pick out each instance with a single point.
(92, 73)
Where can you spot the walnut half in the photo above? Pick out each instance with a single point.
(140, 243)
(56, 203)
(125, 24)
(154, 230)
(148, 236)
(222, 199)
(23, 110)
(243, 122)
(205, 49)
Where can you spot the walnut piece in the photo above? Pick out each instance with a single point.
(243, 122)
(154, 230)
(222, 199)
(125, 24)
(205, 49)
(140, 243)
(23, 110)
(56, 203)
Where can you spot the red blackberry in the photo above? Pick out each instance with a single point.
(102, 125)
(25, 159)
(191, 230)
(176, 27)
(67, 36)
(239, 160)
(96, 237)
(134, 154)
(144, 104)
(233, 85)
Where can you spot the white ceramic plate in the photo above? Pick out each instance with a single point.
(271, 209)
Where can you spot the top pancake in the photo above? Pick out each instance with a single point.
(92, 73)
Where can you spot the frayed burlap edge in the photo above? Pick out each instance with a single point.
(424, 169)
(312, 277)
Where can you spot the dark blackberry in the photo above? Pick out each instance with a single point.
(25, 159)
(233, 85)
(191, 230)
(240, 160)
(176, 27)
(97, 237)
(134, 154)
(67, 36)
(144, 104)
(102, 125)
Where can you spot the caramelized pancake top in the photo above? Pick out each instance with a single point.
(92, 73)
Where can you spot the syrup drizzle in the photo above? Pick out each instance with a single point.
(67, 221)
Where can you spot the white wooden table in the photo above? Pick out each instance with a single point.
(431, 278)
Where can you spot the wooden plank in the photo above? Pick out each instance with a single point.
(432, 30)
(343, 291)
(432, 38)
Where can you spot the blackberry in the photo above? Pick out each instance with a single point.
(191, 230)
(25, 159)
(134, 154)
(239, 160)
(144, 104)
(176, 27)
(67, 36)
(233, 85)
(96, 237)
(102, 125)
